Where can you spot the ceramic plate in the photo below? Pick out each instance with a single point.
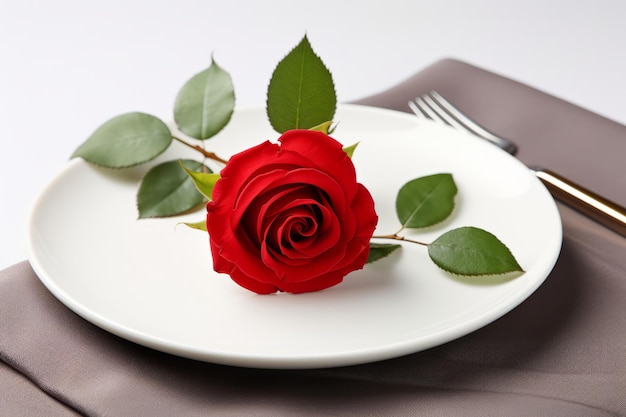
(151, 281)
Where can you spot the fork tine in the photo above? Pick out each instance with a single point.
(423, 109)
(434, 107)
(425, 106)
(442, 114)
(416, 110)
(468, 124)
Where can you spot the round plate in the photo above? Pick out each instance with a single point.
(151, 281)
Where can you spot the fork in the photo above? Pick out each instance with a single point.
(434, 107)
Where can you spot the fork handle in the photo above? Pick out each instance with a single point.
(604, 211)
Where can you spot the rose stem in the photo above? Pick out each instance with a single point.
(204, 152)
(396, 237)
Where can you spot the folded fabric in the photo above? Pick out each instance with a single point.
(560, 353)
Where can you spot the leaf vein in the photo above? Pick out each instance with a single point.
(419, 206)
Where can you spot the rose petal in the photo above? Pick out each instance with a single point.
(318, 209)
(276, 181)
(321, 152)
(315, 284)
(319, 231)
(251, 284)
(240, 170)
(365, 216)
(232, 247)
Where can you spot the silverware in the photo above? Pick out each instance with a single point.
(610, 214)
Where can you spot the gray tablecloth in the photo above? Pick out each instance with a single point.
(560, 353)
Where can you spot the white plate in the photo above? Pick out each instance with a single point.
(151, 281)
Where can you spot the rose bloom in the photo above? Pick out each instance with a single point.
(290, 216)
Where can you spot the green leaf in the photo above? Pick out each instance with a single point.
(426, 201)
(203, 181)
(349, 150)
(167, 190)
(325, 127)
(206, 103)
(380, 250)
(126, 140)
(201, 225)
(301, 92)
(472, 251)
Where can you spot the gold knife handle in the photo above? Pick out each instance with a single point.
(604, 211)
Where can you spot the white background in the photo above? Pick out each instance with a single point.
(66, 66)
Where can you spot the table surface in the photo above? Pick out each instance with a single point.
(67, 66)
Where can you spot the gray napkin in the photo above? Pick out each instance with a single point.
(560, 353)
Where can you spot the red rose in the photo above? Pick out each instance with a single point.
(290, 216)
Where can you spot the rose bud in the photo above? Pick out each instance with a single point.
(290, 216)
